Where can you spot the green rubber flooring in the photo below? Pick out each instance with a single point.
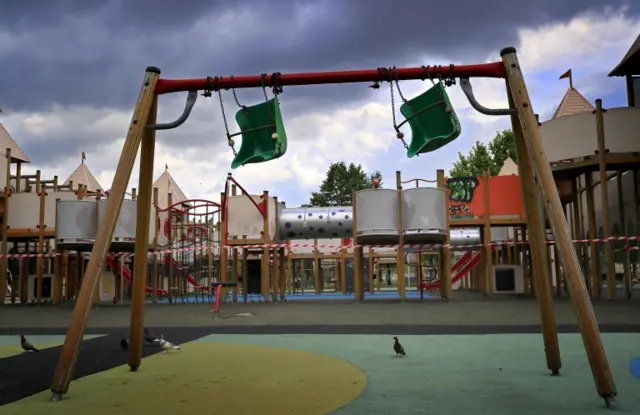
(470, 374)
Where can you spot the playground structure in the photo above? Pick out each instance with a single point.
(263, 228)
(51, 228)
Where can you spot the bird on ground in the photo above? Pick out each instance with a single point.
(124, 343)
(150, 338)
(397, 347)
(166, 346)
(26, 345)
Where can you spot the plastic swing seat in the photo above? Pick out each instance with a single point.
(432, 119)
(259, 144)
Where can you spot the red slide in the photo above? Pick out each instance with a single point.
(189, 278)
(463, 259)
(127, 275)
(461, 268)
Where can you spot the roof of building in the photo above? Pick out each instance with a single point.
(166, 184)
(6, 141)
(630, 63)
(83, 176)
(573, 102)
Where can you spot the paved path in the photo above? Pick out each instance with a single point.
(466, 310)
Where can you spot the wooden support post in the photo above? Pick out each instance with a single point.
(593, 234)
(371, 270)
(265, 284)
(224, 233)
(141, 249)
(96, 294)
(402, 283)
(24, 275)
(577, 229)
(18, 186)
(67, 288)
(343, 269)
(224, 252)
(40, 260)
(290, 271)
(535, 228)
(56, 283)
(557, 270)
(316, 268)
(636, 197)
(5, 231)
(446, 287)
(82, 311)
(487, 247)
(234, 273)
(38, 184)
(582, 305)
(358, 272)
(245, 273)
(168, 259)
(282, 272)
(275, 274)
(623, 225)
(156, 231)
(378, 273)
(604, 197)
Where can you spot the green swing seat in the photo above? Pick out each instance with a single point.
(432, 119)
(258, 123)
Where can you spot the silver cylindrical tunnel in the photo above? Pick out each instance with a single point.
(337, 222)
(312, 223)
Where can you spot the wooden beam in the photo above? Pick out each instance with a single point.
(82, 311)
(141, 249)
(582, 305)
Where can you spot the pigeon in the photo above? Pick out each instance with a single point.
(124, 343)
(397, 347)
(150, 338)
(166, 346)
(26, 345)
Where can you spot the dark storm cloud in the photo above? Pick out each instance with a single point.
(93, 52)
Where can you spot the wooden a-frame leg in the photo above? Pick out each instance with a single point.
(82, 310)
(141, 250)
(535, 225)
(573, 273)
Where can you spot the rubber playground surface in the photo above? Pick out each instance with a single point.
(320, 369)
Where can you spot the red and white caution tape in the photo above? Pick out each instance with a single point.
(435, 246)
(425, 247)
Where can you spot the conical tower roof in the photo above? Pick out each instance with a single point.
(573, 102)
(166, 184)
(6, 141)
(83, 176)
(509, 168)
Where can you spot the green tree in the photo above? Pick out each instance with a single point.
(483, 157)
(341, 179)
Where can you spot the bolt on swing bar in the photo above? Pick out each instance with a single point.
(485, 70)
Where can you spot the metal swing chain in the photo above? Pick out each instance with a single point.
(399, 134)
(235, 97)
(230, 141)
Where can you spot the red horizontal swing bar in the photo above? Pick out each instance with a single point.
(484, 70)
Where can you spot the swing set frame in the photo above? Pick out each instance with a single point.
(540, 195)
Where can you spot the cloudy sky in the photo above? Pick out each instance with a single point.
(71, 72)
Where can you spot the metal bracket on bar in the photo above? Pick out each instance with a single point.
(191, 100)
(465, 84)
